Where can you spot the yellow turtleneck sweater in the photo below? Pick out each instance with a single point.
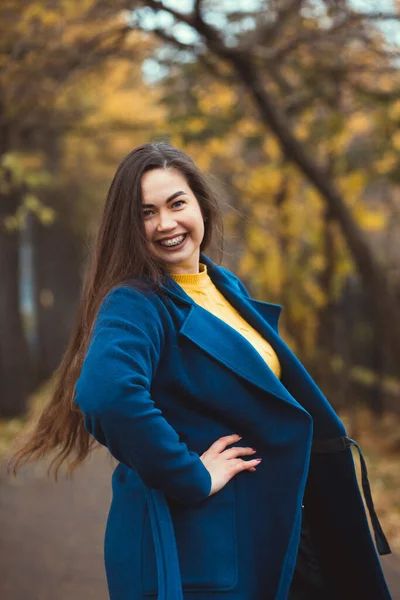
(201, 289)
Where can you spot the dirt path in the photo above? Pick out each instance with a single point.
(51, 535)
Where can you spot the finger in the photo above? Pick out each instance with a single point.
(238, 451)
(220, 444)
(242, 465)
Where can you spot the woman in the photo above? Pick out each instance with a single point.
(235, 478)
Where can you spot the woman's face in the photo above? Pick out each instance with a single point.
(173, 221)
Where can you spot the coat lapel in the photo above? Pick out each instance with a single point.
(223, 343)
(297, 383)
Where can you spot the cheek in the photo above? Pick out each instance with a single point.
(148, 229)
(201, 226)
(198, 223)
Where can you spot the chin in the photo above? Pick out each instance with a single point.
(177, 260)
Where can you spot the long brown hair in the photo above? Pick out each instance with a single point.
(120, 252)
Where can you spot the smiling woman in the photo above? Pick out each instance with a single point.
(174, 223)
(235, 478)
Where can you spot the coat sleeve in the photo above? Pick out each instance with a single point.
(113, 393)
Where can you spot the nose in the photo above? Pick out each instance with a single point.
(166, 222)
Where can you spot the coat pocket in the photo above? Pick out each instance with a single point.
(206, 542)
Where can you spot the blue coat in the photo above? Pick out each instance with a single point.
(163, 379)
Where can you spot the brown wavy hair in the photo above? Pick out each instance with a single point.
(119, 252)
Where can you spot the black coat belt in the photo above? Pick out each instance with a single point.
(329, 445)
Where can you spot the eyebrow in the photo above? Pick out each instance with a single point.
(169, 199)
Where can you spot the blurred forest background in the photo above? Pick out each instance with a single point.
(293, 106)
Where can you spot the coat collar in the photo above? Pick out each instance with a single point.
(227, 284)
(220, 341)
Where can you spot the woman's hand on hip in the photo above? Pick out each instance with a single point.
(223, 463)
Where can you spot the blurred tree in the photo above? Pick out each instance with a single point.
(82, 160)
(44, 49)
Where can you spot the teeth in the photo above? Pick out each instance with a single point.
(174, 241)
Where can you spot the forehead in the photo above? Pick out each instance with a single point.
(158, 184)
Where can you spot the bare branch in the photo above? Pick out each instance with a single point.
(210, 66)
(379, 16)
(170, 39)
(308, 37)
(387, 96)
(197, 10)
(196, 21)
(156, 5)
(271, 31)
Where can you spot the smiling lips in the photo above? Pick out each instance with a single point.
(173, 242)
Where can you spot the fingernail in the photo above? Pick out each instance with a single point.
(239, 436)
(258, 459)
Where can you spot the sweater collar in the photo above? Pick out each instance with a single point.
(211, 271)
(193, 280)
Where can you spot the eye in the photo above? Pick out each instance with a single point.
(146, 212)
(178, 202)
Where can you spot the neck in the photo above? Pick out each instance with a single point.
(190, 268)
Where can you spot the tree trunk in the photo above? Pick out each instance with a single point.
(57, 259)
(16, 380)
(326, 322)
(15, 362)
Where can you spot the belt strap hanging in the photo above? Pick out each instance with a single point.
(168, 572)
(342, 443)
